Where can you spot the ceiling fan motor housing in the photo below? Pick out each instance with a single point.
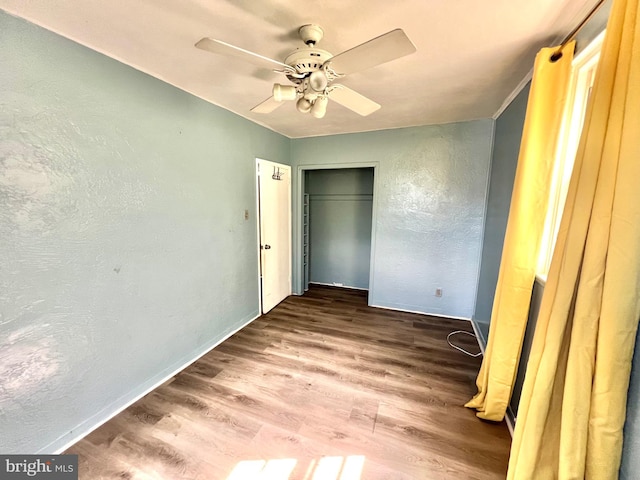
(306, 61)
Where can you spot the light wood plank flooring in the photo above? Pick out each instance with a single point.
(321, 388)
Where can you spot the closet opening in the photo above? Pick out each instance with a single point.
(337, 211)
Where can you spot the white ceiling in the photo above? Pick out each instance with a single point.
(471, 55)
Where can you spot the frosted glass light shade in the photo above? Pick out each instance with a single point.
(303, 105)
(318, 81)
(319, 108)
(283, 92)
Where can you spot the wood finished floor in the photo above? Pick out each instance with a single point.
(321, 388)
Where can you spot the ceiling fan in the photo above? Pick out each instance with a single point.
(312, 71)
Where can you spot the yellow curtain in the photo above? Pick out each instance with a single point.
(524, 233)
(572, 411)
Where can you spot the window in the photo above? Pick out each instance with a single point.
(583, 75)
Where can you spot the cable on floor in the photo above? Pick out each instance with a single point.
(460, 348)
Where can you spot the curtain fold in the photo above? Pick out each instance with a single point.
(523, 236)
(572, 410)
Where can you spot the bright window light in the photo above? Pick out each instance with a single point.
(247, 469)
(352, 469)
(582, 77)
(276, 469)
(325, 468)
(328, 468)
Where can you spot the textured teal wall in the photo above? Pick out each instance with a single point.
(506, 146)
(429, 201)
(341, 204)
(124, 251)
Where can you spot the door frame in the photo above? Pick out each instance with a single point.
(297, 263)
(259, 231)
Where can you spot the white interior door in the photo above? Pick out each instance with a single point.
(274, 185)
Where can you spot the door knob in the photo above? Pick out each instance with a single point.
(267, 247)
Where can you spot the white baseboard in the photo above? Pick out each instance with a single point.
(440, 315)
(103, 416)
(337, 286)
(510, 418)
(479, 338)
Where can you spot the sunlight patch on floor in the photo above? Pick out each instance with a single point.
(325, 468)
(276, 469)
(339, 468)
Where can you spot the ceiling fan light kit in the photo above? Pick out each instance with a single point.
(318, 81)
(284, 92)
(303, 105)
(312, 71)
(319, 108)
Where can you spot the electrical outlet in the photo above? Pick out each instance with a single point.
(246, 214)
(438, 292)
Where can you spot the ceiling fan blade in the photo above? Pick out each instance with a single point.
(353, 100)
(223, 48)
(379, 50)
(268, 106)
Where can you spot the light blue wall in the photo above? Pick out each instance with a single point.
(506, 146)
(429, 199)
(341, 203)
(124, 252)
